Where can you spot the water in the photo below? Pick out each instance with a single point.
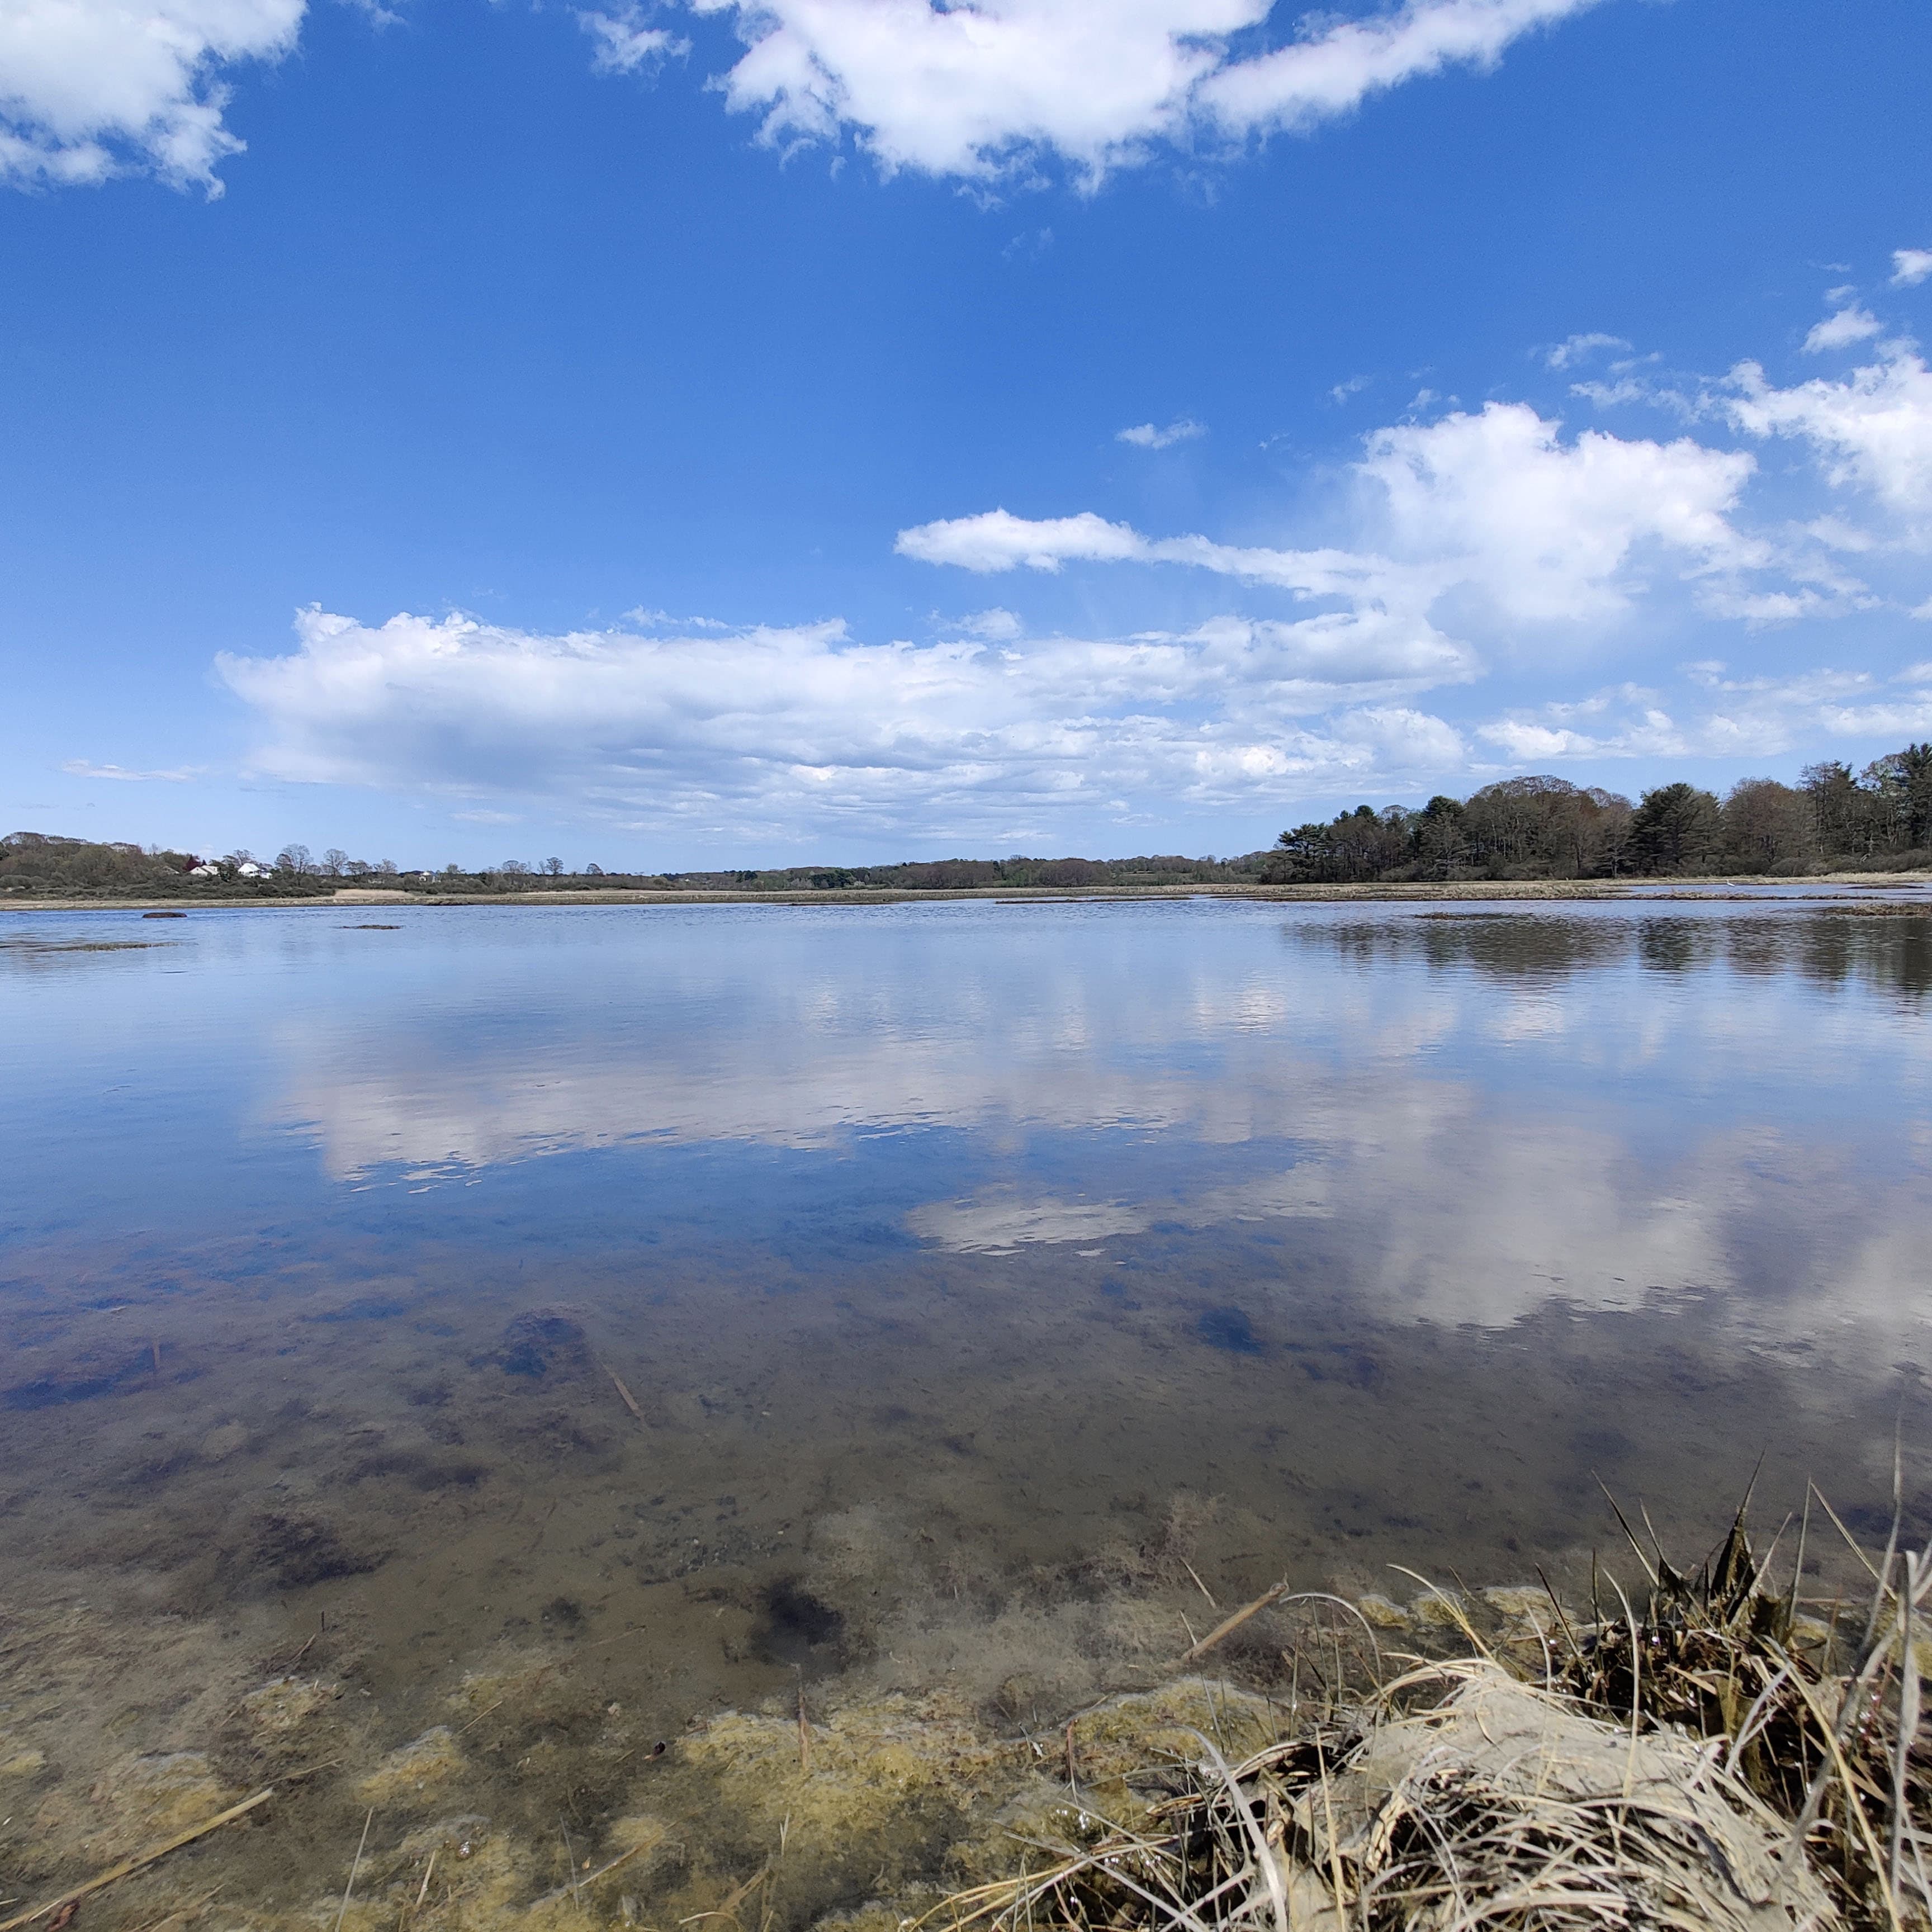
(967, 1265)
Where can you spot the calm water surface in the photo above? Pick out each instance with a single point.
(952, 1256)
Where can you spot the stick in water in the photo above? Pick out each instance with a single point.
(355, 1867)
(147, 1858)
(1227, 1624)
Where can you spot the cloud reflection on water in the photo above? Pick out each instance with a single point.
(1492, 1111)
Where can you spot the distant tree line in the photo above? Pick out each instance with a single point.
(37, 865)
(1543, 827)
(1536, 827)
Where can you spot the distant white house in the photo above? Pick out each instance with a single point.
(204, 872)
(247, 869)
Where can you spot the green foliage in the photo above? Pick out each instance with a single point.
(34, 865)
(1676, 828)
(1545, 827)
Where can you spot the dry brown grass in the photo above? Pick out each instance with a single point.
(1708, 1758)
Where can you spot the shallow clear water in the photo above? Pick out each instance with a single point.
(947, 1253)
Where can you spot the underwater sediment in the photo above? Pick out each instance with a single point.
(1733, 1746)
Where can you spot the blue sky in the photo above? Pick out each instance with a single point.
(845, 429)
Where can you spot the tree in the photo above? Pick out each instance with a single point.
(1676, 828)
(553, 868)
(334, 860)
(1901, 786)
(296, 859)
(1438, 835)
(1539, 825)
(1842, 817)
(1766, 825)
(1914, 769)
(517, 867)
(594, 872)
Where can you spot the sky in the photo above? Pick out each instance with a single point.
(726, 432)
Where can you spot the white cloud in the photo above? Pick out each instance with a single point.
(965, 89)
(1144, 435)
(1849, 325)
(996, 626)
(1873, 428)
(1544, 529)
(90, 89)
(1910, 266)
(1575, 349)
(1482, 533)
(1723, 716)
(83, 768)
(996, 540)
(1495, 502)
(625, 44)
(1340, 64)
(789, 734)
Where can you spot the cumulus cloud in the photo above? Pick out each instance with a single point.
(89, 89)
(1482, 533)
(787, 733)
(1848, 325)
(1495, 502)
(964, 90)
(1873, 428)
(1544, 529)
(1910, 266)
(1144, 435)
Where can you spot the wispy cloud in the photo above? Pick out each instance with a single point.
(625, 43)
(1575, 349)
(1910, 266)
(83, 768)
(1144, 435)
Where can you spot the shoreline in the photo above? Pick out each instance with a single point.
(1824, 886)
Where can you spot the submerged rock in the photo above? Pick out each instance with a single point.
(543, 1343)
(1384, 1612)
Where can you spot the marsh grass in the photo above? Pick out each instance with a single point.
(1711, 1755)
